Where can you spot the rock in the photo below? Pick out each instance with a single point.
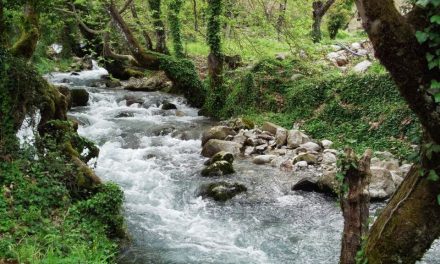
(109, 82)
(168, 106)
(281, 137)
(213, 146)
(332, 56)
(391, 165)
(130, 100)
(80, 97)
(311, 146)
(301, 164)
(263, 159)
(154, 83)
(280, 152)
(336, 47)
(362, 67)
(334, 151)
(240, 123)
(404, 169)
(382, 185)
(261, 148)
(356, 46)
(362, 52)
(281, 56)
(217, 132)
(249, 151)
(296, 138)
(270, 127)
(397, 179)
(341, 61)
(328, 183)
(180, 113)
(222, 155)
(384, 155)
(124, 114)
(329, 158)
(221, 191)
(218, 168)
(326, 144)
(266, 137)
(307, 157)
(240, 139)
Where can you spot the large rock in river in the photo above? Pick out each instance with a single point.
(218, 168)
(217, 132)
(213, 146)
(221, 191)
(80, 97)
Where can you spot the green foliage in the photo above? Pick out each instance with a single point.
(339, 16)
(430, 36)
(175, 26)
(41, 223)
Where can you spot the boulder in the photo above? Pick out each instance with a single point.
(221, 191)
(382, 184)
(301, 164)
(326, 144)
(222, 155)
(310, 146)
(362, 67)
(296, 138)
(263, 159)
(328, 183)
(168, 106)
(307, 157)
(218, 168)
(214, 146)
(270, 127)
(154, 83)
(329, 158)
(281, 137)
(341, 61)
(66, 92)
(80, 97)
(355, 46)
(240, 123)
(307, 185)
(130, 100)
(217, 132)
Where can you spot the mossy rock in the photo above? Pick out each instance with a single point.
(221, 191)
(218, 168)
(222, 155)
(80, 97)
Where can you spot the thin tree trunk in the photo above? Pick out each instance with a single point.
(148, 41)
(215, 58)
(26, 45)
(161, 39)
(319, 10)
(281, 18)
(355, 204)
(2, 26)
(196, 19)
(175, 26)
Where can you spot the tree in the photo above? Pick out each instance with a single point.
(175, 26)
(407, 46)
(319, 10)
(159, 26)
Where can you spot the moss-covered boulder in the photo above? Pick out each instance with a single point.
(218, 168)
(166, 105)
(221, 191)
(222, 155)
(80, 97)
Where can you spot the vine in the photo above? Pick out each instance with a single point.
(175, 26)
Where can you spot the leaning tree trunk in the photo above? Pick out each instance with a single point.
(354, 203)
(410, 223)
(180, 71)
(161, 39)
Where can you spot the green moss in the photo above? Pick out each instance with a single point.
(175, 26)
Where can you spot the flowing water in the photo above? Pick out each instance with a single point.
(154, 156)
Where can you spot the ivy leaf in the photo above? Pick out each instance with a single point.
(437, 97)
(429, 56)
(421, 36)
(438, 199)
(435, 84)
(432, 176)
(435, 19)
(423, 3)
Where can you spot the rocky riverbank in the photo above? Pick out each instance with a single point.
(312, 163)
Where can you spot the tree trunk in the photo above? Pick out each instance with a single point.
(148, 41)
(26, 45)
(173, 17)
(319, 10)
(281, 18)
(410, 222)
(196, 19)
(2, 26)
(355, 204)
(161, 39)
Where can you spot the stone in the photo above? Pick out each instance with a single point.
(154, 83)
(221, 191)
(404, 169)
(336, 47)
(391, 165)
(382, 184)
(168, 106)
(222, 155)
(307, 185)
(263, 159)
(328, 183)
(326, 144)
(301, 164)
(341, 61)
(218, 168)
(240, 139)
(213, 146)
(281, 56)
(281, 137)
(240, 123)
(130, 100)
(332, 56)
(329, 158)
(217, 132)
(311, 146)
(261, 148)
(180, 113)
(248, 151)
(362, 52)
(356, 46)
(296, 138)
(124, 114)
(307, 157)
(80, 97)
(270, 127)
(384, 155)
(362, 67)
(334, 151)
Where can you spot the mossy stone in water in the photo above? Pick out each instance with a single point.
(80, 97)
(218, 168)
(222, 155)
(221, 191)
